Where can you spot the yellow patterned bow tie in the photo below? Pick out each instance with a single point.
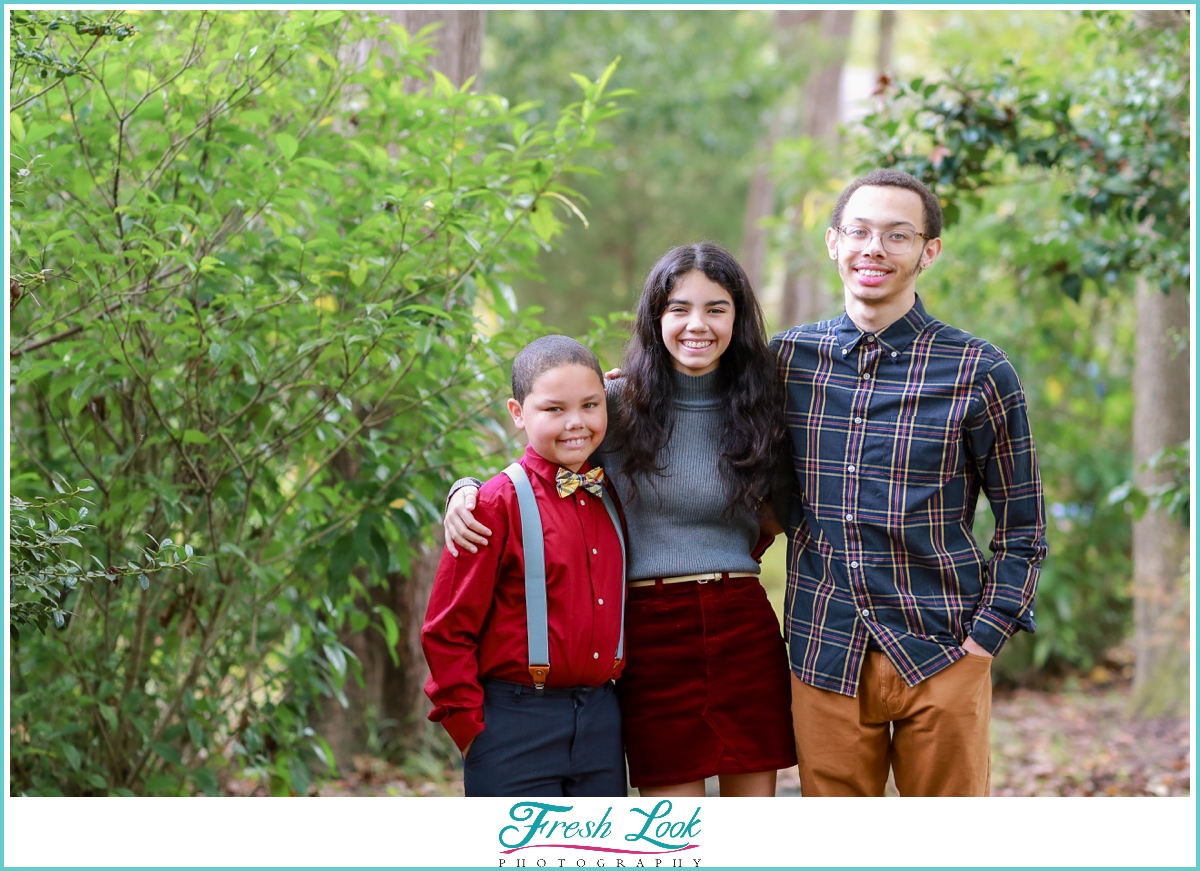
(568, 482)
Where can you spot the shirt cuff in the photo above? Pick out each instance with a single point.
(464, 725)
(458, 485)
(990, 630)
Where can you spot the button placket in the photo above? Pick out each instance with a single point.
(855, 444)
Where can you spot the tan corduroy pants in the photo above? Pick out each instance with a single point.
(933, 736)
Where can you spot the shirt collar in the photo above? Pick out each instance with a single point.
(896, 336)
(543, 468)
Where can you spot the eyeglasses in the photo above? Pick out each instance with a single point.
(895, 241)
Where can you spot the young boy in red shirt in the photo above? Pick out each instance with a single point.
(525, 726)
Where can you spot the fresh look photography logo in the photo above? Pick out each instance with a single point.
(639, 839)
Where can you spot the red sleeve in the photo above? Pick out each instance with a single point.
(765, 539)
(459, 604)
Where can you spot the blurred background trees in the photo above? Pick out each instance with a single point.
(266, 267)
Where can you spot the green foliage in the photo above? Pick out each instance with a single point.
(41, 576)
(1121, 135)
(1172, 497)
(39, 59)
(676, 165)
(270, 304)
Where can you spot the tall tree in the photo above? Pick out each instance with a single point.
(1161, 547)
(805, 296)
(790, 34)
(1161, 421)
(887, 37)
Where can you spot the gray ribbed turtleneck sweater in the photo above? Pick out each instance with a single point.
(677, 522)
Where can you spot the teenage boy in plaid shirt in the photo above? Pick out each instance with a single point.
(898, 422)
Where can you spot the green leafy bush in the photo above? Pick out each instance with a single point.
(275, 256)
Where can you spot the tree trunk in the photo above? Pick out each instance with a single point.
(1161, 418)
(459, 41)
(887, 37)
(805, 294)
(760, 200)
(760, 204)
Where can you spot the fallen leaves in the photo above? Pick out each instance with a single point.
(1081, 740)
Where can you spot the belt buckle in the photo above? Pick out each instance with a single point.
(715, 576)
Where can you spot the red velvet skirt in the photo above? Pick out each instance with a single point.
(706, 688)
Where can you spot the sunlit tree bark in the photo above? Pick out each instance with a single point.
(805, 297)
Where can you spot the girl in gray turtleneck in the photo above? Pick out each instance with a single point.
(695, 426)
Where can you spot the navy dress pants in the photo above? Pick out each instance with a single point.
(566, 742)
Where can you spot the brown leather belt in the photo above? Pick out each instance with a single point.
(684, 579)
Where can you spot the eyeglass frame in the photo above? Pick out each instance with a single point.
(842, 231)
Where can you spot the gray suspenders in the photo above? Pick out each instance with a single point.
(535, 576)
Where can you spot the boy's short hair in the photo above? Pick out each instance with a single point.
(542, 355)
(894, 178)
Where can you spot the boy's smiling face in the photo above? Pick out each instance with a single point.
(564, 415)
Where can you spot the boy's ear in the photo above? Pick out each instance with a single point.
(514, 411)
(831, 240)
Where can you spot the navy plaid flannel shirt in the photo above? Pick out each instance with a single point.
(894, 435)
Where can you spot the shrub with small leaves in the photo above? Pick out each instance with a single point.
(269, 258)
(42, 576)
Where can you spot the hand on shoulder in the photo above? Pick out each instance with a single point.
(461, 527)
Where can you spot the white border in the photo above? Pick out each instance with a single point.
(460, 832)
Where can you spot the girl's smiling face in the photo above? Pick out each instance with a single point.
(697, 323)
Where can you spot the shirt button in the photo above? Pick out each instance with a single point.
(870, 338)
(845, 351)
(848, 469)
(581, 502)
(858, 420)
(595, 656)
(599, 601)
(849, 516)
(866, 376)
(854, 564)
(594, 550)
(894, 354)
(866, 613)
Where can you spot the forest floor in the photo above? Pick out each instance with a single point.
(1076, 738)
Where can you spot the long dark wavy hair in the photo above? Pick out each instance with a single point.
(752, 430)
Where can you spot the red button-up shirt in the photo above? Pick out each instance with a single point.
(475, 626)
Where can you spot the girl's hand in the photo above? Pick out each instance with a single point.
(460, 524)
(612, 374)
